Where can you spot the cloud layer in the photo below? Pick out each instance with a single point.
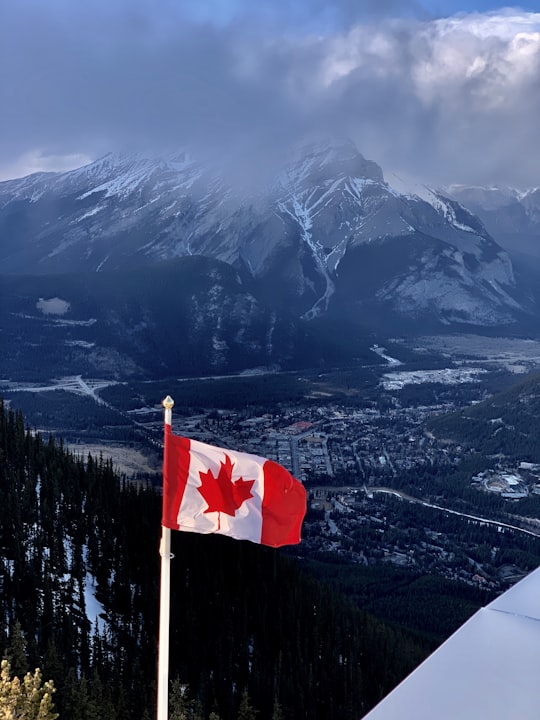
(446, 100)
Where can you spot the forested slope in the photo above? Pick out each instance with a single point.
(244, 619)
(507, 423)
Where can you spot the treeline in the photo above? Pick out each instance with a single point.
(250, 631)
(507, 423)
(231, 393)
(75, 415)
(430, 605)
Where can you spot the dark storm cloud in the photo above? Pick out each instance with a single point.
(448, 100)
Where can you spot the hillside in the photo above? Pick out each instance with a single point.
(79, 579)
(507, 423)
(189, 316)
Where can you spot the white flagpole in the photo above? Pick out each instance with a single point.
(164, 603)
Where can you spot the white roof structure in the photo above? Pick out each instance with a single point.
(489, 669)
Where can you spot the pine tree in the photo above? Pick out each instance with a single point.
(246, 711)
(17, 650)
(27, 700)
(277, 713)
(180, 706)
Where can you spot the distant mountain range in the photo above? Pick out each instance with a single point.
(511, 216)
(329, 242)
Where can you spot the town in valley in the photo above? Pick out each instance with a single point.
(384, 486)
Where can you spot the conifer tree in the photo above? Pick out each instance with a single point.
(16, 652)
(27, 700)
(181, 707)
(246, 711)
(277, 713)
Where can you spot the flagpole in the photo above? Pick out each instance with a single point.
(164, 598)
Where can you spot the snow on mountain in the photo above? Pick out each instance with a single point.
(511, 215)
(330, 233)
(415, 190)
(462, 275)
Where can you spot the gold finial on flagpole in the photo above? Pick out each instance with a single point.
(168, 405)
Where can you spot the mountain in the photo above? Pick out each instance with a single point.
(511, 216)
(329, 237)
(384, 252)
(191, 315)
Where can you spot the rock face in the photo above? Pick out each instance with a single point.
(328, 237)
(511, 216)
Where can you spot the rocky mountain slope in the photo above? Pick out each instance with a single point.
(329, 239)
(511, 216)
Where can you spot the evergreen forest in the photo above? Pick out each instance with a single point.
(505, 424)
(253, 632)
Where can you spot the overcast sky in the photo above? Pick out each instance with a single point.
(444, 91)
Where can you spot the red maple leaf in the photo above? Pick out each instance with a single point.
(221, 493)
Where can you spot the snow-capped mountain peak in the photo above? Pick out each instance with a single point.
(330, 233)
(511, 215)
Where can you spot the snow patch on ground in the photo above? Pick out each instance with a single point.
(80, 343)
(381, 352)
(518, 355)
(53, 306)
(90, 213)
(95, 612)
(445, 376)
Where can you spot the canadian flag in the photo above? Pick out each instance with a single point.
(208, 489)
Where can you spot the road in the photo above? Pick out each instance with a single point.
(477, 518)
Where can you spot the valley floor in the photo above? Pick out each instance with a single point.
(383, 488)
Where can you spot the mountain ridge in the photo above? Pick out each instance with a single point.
(329, 215)
(511, 215)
